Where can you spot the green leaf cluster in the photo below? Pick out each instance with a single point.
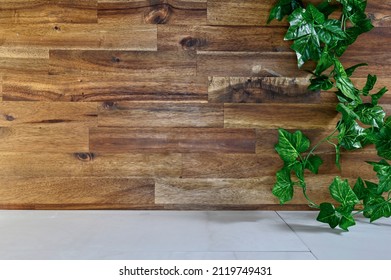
(363, 121)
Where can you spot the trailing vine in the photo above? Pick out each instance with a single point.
(317, 37)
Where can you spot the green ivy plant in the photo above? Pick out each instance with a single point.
(317, 37)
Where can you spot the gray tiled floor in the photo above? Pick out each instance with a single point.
(219, 235)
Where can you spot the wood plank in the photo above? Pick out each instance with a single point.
(181, 140)
(22, 61)
(248, 64)
(64, 114)
(221, 38)
(67, 191)
(79, 164)
(43, 11)
(261, 90)
(105, 88)
(153, 12)
(125, 114)
(122, 62)
(292, 116)
(256, 13)
(239, 166)
(46, 138)
(79, 36)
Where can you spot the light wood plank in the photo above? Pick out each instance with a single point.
(292, 116)
(108, 88)
(79, 164)
(181, 140)
(79, 36)
(63, 192)
(125, 114)
(221, 38)
(22, 61)
(122, 62)
(155, 12)
(260, 90)
(44, 138)
(42, 11)
(30, 114)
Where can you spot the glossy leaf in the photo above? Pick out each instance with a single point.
(328, 215)
(351, 135)
(359, 189)
(291, 145)
(341, 192)
(283, 8)
(343, 83)
(320, 83)
(349, 71)
(283, 188)
(383, 172)
(375, 97)
(313, 163)
(370, 114)
(371, 81)
(383, 140)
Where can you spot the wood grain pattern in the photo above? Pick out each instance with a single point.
(125, 114)
(110, 87)
(292, 116)
(88, 192)
(178, 140)
(84, 164)
(79, 36)
(42, 11)
(260, 90)
(123, 62)
(163, 104)
(153, 12)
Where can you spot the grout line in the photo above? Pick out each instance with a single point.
(298, 236)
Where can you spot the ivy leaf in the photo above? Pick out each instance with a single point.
(308, 28)
(291, 145)
(313, 163)
(326, 8)
(383, 140)
(351, 135)
(370, 114)
(383, 172)
(348, 115)
(328, 215)
(359, 189)
(320, 83)
(371, 81)
(297, 167)
(346, 221)
(284, 8)
(283, 188)
(349, 71)
(341, 192)
(376, 207)
(343, 83)
(375, 97)
(325, 62)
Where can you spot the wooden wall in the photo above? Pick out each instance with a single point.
(160, 104)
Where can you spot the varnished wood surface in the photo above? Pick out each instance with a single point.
(166, 104)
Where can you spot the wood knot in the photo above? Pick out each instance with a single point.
(190, 43)
(160, 14)
(84, 156)
(109, 105)
(9, 118)
(57, 28)
(115, 59)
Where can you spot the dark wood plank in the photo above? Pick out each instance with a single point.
(79, 36)
(221, 38)
(68, 191)
(125, 114)
(48, 138)
(31, 114)
(107, 88)
(153, 12)
(122, 62)
(79, 164)
(261, 90)
(181, 140)
(43, 11)
(292, 116)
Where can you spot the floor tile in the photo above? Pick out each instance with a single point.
(274, 256)
(363, 241)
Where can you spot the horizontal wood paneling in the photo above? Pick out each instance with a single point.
(163, 104)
